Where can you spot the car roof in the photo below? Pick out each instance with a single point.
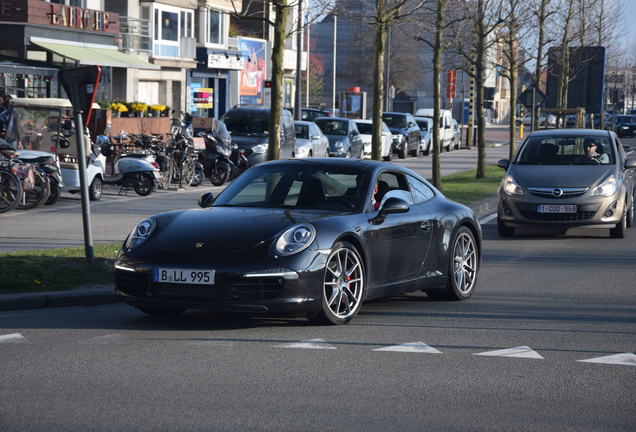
(395, 113)
(364, 164)
(569, 132)
(303, 122)
(334, 118)
(365, 121)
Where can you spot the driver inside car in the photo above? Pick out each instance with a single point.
(594, 152)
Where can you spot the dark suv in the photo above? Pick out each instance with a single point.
(249, 127)
(406, 133)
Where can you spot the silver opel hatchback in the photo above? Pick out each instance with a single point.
(565, 178)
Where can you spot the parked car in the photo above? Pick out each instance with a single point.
(426, 126)
(365, 129)
(457, 134)
(249, 127)
(625, 125)
(281, 239)
(344, 137)
(311, 114)
(565, 178)
(445, 126)
(406, 133)
(310, 141)
(544, 120)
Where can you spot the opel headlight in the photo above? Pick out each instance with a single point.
(261, 148)
(295, 239)
(398, 137)
(338, 144)
(607, 188)
(302, 151)
(511, 187)
(141, 233)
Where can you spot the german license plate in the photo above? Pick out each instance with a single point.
(556, 208)
(184, 276)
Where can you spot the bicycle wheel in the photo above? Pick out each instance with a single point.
(37, 194)
(10, 191)
(187, 171)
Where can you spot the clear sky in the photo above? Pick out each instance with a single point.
(629, 23)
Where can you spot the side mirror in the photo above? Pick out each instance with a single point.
(503, 163)
(394, 205)
(315, 137)
(206, 200)
(630, 163)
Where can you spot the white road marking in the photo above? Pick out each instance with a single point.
(518, 352)
(628, 359)
(488, 218)
(13, 337)
(413, 347)
(309, 344)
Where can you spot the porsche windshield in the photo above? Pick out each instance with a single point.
(297, 187)
(566, 150)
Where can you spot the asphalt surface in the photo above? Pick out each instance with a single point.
(567, 298)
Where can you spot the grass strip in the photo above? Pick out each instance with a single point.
(55, 269)
(463, 187)
(66, 268)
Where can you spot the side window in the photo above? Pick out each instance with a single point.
(421, 192)
(392, 184)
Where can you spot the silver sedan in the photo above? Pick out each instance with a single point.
(310, 141)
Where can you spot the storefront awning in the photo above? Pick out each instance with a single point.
(96, 56)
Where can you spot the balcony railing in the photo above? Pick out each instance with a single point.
(135, 34)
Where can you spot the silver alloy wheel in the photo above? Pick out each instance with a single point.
(344, 283)
(464, 263)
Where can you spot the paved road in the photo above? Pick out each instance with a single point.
(572, 298)
(114, 216)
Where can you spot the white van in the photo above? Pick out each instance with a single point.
(445, 130)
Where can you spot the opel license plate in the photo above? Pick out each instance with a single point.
(556, 208)
(184, 276)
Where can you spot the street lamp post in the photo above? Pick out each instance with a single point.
(333, 74)
(299, 59)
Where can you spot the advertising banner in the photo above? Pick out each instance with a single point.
(252, 76)
(203, 98)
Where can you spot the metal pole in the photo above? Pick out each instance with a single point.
(86, 211)
(333, 73)
(308, 62)
(534, 120)
(471, 103)
(299, 59)
(387, 82)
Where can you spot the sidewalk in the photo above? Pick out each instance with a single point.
(105, 294)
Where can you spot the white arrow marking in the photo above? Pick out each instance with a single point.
(519, 352)
(309, 344)
(414, 347)
(628, 359)
(13, 337)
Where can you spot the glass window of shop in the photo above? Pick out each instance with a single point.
(170, 24)
(215, 28)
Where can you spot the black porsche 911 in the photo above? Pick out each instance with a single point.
(303, 237)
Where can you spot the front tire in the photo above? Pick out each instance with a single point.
(503, 230)
(54, 196)
(198, 177)
(343, 285)
(219, 176)
(145, 184)
(95, 189)
(620, 229)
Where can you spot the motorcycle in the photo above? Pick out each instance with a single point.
(220, 160)
(49, 165)
(127, 171)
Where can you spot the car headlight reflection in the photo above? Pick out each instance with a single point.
(338, 144)
(511, 187)
(141, 233)
(261, 148)
(607, 188)
(295, 239)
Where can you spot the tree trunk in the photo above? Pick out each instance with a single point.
(479, 89)
(513, 108)
(276, 109)
(541, 42)
(378, 86)
(437, 71)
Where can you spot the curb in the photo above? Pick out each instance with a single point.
(94, 297)
(46, 299)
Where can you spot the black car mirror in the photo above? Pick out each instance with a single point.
(206, 200)
(503, 163)
(394, 205)
(630, 163)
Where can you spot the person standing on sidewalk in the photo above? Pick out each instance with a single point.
(10, 130)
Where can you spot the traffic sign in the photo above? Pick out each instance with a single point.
(526, 98)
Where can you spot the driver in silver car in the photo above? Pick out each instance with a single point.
(592, 148)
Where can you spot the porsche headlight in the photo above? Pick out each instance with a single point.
(511, 187)
(607, 188)
(261, 148)
(141, 233)
(295, 239)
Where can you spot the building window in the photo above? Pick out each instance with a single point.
(214, 27)
(170, 25)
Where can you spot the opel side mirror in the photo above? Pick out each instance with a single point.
(503, 163)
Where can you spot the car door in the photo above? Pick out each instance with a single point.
(319, 142)
(414, 132)
(387, 139)
(355, 140)
(401, 241)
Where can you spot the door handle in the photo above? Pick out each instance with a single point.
(425, 226)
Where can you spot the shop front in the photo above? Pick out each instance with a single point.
(210, 86)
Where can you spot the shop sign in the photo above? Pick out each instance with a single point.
(220, 61)
(83, 19)
(203, 98)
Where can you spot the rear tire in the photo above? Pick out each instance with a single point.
(145, 185)
(503, 230)
(198, 177)
(55, 193)
(37, 195)
(10, 191)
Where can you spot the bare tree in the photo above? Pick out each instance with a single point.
(543, 14)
